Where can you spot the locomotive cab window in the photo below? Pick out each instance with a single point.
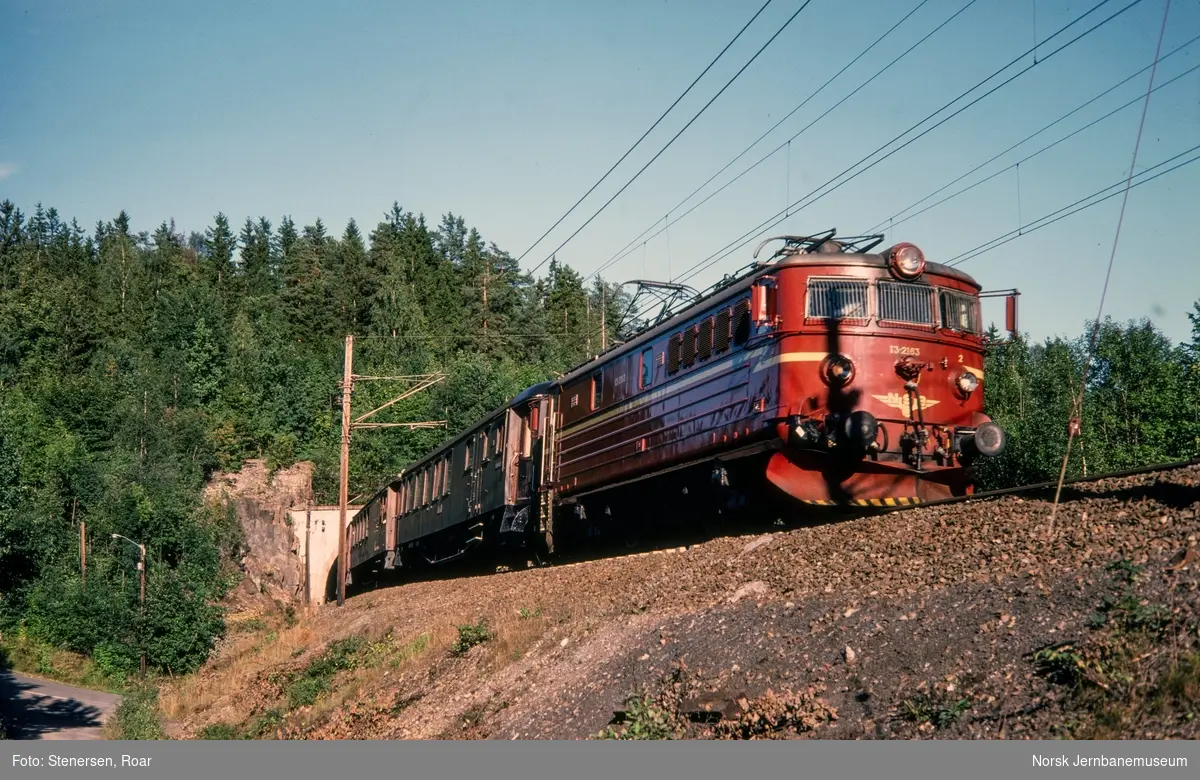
(959, 311)
(647, 368)
(597, 390)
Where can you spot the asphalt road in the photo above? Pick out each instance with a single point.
(33, 708)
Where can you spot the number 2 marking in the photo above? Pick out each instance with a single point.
(960, 357)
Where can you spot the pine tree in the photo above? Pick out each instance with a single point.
(219, 245)
(256, 257)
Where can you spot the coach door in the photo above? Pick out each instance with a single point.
(473, 477)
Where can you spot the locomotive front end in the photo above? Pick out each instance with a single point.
(880, 378)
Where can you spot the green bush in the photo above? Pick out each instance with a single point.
(471, 635)
(317, 677)
(643, 720)
(137, 715)
(220, 731)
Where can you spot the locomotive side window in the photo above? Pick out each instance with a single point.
(741, 322)
(907, 303)
(837, 299)
(483, 445)
(597, 390)
(467, 456)
(647, 368)
(959, 312)
(721, 333)
(704, 339)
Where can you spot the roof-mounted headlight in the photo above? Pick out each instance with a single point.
(906, 262)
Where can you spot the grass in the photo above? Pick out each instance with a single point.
(237, 668)
(1128, 676)
(317, 677)
(137, 716)
(220, 731)
(23, 653)
(941, 715)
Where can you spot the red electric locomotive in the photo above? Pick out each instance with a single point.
(825, 374)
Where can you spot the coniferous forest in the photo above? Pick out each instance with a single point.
(134, 365)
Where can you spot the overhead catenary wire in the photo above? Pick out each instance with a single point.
(892, 221)
(650, 130)
(1084, 203)
(903, 216)
(643, 237)
(666, 146)
(809, 199)
(775, 219)
(1072, 427)
(746, 237)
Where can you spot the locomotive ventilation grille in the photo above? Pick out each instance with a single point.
(905, 303)
(837, 299)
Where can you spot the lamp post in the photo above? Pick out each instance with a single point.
(142, 594)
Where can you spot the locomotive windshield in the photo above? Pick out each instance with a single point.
(959, 312)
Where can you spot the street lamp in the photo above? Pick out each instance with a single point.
(142, 597)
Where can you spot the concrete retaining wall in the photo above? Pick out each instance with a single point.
(317, 545)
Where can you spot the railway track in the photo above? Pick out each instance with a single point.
(1039, 486)
(875, 510)
(677, 542)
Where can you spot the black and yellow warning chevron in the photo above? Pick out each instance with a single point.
(899, 501)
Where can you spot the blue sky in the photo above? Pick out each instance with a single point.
(506, 112)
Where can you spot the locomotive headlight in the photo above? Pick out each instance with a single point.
(839, 370)
(967, 382)
(906, 261)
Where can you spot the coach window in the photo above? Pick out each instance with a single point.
(647, 367)
(597, 389)
(483, 445)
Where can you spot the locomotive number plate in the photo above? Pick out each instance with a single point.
(898, 350)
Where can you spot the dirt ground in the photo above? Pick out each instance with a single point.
(974, 620)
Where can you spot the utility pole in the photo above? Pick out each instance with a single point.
(486, 268)
(588, 324)
(603, 324)
(344, 486)
(82, 542)
(142, 602)
(141, 595)
(422, 382)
